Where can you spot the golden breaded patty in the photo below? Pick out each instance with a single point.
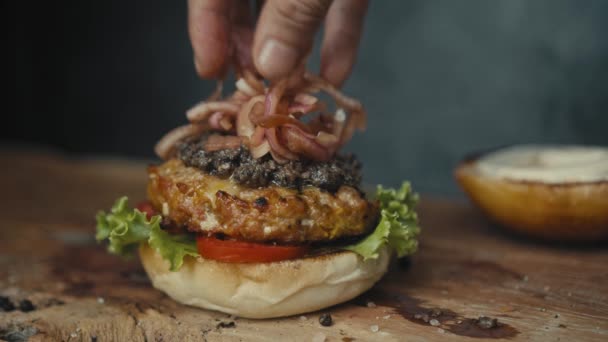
(208, 204)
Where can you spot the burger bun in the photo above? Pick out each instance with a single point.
(266, 290)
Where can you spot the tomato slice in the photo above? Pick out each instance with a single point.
(245, 252)
(147, 208)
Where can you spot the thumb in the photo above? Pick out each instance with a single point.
(285, 33)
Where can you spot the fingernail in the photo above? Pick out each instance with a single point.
(276, 59)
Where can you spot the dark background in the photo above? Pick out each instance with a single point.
(439, 79)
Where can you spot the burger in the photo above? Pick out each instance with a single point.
(256, 213)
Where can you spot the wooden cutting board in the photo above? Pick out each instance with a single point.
(465, 269)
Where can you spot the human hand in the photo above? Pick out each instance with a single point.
(283, 36)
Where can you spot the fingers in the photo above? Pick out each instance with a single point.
(242, 36)
(285, 34)
(208, 26)
(343, 28)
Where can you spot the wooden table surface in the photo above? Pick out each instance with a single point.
(464, 269)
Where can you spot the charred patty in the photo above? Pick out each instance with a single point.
(238, 165)
(208, 204)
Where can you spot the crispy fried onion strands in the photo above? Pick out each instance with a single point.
(268, 120)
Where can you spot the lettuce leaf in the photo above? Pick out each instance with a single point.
(125, 228)
(398, 226)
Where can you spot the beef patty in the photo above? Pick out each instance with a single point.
(208, 204)
(241, 167)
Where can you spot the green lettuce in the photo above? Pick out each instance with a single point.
(125, 228)
(398, 226)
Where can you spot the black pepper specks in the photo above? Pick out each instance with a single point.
(326, 320)
(260, 202)
(6, 304)
(26, 306)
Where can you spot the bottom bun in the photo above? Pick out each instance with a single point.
(265, 290)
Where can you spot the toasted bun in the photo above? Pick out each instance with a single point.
(266, 290)
(563, 211)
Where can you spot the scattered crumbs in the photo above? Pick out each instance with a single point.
(434, 322)
(444, 292)
(371, 304)
(303, 318)
(326, 320)
(435, 313)
(319, 337)
(100, 300)
(225, 325)
(547, 288)
(525, 279)
(562, 325)
(386, 317)
(422, 316)
(485, 322)
(441, 331)
(374, 328)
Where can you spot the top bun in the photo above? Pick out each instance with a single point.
(265, 290)
(549, 192)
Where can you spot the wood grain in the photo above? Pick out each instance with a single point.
(465, 269)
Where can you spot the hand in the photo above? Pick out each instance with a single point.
(283, 37)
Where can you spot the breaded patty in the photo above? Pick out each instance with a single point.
(208, 204)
